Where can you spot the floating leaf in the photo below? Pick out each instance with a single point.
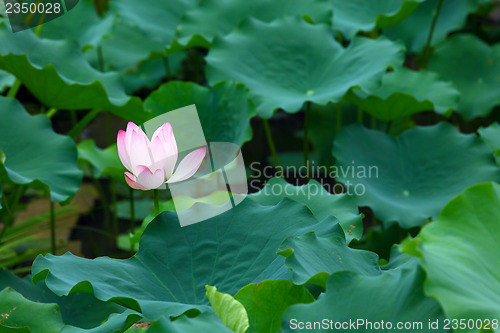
(321, 203)
(460, 254)
(405, 92)
(394, 296)
(224, 110)
(313, 259)
(17, 314)
(200, 25)
(352, 16)
(399, 177)
(414, 31)
(231, 312)
(267, 301)
(478, 84)
(58, 75)
(52, 157)
(174, 264)
(284, 72)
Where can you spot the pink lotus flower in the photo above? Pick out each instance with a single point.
(152, 163)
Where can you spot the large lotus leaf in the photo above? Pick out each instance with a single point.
(17, 314)
(394, 296)
(116, 323)
(460, 252)
(82, 310)
(224, 110)
(478, 84)
(409, 179)
(313, 259)
(158, 20)
(267, 301)
(124, 49)
(405, 92)
(321, 203)
(58, 75)
(218, 17)
(104, 162)
(414, 31)
(6, 80)
(352, 16)
(284, 72)
(207, 322)
(491, 136)
(81, 23)
(34, 152)
(174, 264)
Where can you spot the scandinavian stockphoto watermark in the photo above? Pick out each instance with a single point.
(353, 173)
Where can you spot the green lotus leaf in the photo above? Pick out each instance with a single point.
(207, 322)
(460, 254)
(104, 162)
(158, 20)
(116, 323)
(6, 80)
(405, 92)
(81, 310)
(491, 136)
(313, 259)
(394, 296)
(169, 273)
(81, 23)
(17, 314)
(477, 84)
(138, 33)
(58, 75)
(33, 152)
(231, 312)
(352, 16)
(284, 72)
(200, 25)
(409, 179)
(267, 301)
(224, 109)
(321, 203)
(414, 31)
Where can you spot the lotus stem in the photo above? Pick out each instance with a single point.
(156, 202)
(52, 228)
(306, 138)
(427, 49)
(270, 143)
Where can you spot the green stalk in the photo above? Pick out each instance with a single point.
(51, 113)
(388, 127)
(52, 228)
(306, 138)
(427, 50)
(114, 218)
(132, 218)
(14, 89)
(83, 122)
(360, 115)
(270, 143)
(339, 117)
(156, 200)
